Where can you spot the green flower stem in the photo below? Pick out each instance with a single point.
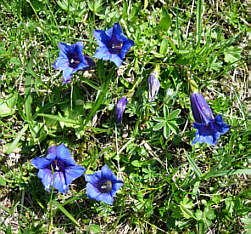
(101, 96)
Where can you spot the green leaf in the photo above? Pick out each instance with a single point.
(60, 119)
(145, 4)
(136, 163)
(186, 212)
(63, 210)
(63, 4)
(158, 126)
(165, 111)
(198, 21)
(95, 5)
(8, 107)
(199, 214)
(193, 165)
(174, 114)
(173, 126)
(214, 173)
(5, 110)
(232, 54)
(102, 94)
(166, 131)
(209, 213)
(93, 229)
(17, 139)
(28, 99)
(2, 181)
(164, 46)
(165, 20)
(159, 119)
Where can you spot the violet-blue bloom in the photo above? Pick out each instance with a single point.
(209, 128)
(153, 86)
(58, 169)
(71, 59)
(113, 44)
(119, 109)
(102, 185)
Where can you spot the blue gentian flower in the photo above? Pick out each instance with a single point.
(113, 44)
(102, 185)
(58, 169)
(71, 59)
(153, 86)
(209, 129)
(119, 109)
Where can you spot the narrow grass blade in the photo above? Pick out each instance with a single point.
(178, 30)
(60, 119)
(198, 22)
(101, 96)
(17, 139)
(60, 207)
(28, 99)
(193, 165)
(210, 174)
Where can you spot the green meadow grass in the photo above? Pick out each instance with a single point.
(169, 186)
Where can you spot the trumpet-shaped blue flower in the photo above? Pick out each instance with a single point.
(102, 185)
(153, 86)
(113, 44)
(58, 169)
(119, 109)
(209, 128)
(71, 59)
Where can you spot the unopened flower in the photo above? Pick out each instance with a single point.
(209, 128)
(102, 185)
(113, 44)
(58, 169)
(153, 85)
(71, 59)
(119, 109)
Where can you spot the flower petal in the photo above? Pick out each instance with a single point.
(222, 127)
(117, 29)
(52, 149)
(106, 172)
(116, 59)
(102, 53)
(79, 47)
(92, 191)
(105, 197)
(116, 186)
(64, 49)
(67, 73)
(202, 113)
(64, 155)
(41, 163)
(59, 182)
(210, 132)
(46, 177)
(73, 172)
(119, 109)
(93, 178)
(101, 37)
(109, 32)
(61, 63)
(126, 47)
